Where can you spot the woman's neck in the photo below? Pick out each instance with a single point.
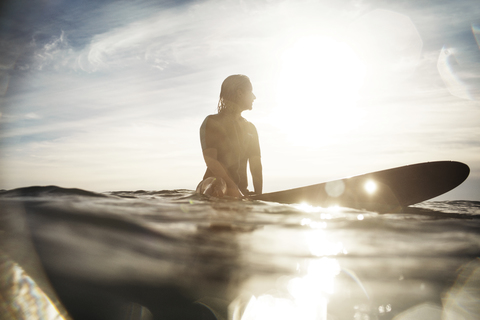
(232, 113)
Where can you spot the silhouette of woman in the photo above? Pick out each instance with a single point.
(229, 142)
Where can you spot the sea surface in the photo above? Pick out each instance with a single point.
(172, 254)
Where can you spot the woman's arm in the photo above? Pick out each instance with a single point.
(210, 156)
(257, 173)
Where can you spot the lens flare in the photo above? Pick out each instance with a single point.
(449, 69)
(476, 33)
(25, 296)
(335, 188)
(370, 187)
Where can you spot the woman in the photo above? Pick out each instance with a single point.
(229, 142)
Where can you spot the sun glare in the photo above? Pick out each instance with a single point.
(317, 90)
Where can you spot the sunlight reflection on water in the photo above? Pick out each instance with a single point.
(327, 275)
(304, 296)
(249, 261)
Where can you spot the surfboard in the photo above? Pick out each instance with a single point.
(388, 190)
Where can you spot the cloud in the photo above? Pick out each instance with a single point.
(205, 32)
(106, 158)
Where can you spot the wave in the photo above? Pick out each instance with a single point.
(41, 191)
(162, 193)
(462, 207)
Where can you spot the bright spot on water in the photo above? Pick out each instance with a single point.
(269, 307)
(384, 309)
(370, 187)
(305, 207)
(308, 295)
(360, 217)
(335, 208)
(313, 224)
(305, 222)
(319, 245)
(312, 209)
(312, 289)
(318, 280)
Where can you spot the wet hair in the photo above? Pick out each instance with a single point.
(228, 93)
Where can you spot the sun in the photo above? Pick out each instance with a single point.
(317, 90)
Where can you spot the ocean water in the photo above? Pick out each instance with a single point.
(75, 254)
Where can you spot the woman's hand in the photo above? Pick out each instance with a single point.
(234, 192)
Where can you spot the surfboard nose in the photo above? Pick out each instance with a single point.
(464, 170)
(456, 172)
(432, 179)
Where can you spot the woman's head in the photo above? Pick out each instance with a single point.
(232, 94)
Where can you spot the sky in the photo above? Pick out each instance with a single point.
(110, 95)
